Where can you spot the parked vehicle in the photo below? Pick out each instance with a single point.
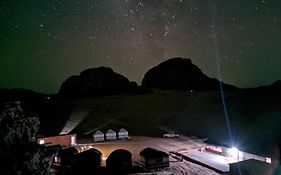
(171, 135)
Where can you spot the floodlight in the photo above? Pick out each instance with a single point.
(233, 152)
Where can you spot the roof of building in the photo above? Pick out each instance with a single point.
(251, 166)
(119, 154)
(152, 153)
(91, 151)
(123, 130)
(98, 132)
(110, 131)
(54, 136)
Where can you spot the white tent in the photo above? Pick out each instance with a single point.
(123, 134)
(98, 136)
(110, 135)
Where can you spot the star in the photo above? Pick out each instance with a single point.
(64, 33)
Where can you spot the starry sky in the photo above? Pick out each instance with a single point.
(44, 42)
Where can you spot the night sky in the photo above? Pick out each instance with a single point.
(43, 42)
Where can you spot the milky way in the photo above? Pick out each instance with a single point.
(44, 42)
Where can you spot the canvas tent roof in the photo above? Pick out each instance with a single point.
(98, 133)
(153, 153)
(110, 131)
(122, 130)
(118, 157)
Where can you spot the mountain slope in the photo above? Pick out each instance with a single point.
(254, 117)
(180, 74)
(95, 82)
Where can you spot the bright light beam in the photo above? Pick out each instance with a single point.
(219, 74)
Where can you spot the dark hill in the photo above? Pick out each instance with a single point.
(276, 86)
(18, 94)
(254, 113)
(254, 117)
(96, 82)
(180, 74)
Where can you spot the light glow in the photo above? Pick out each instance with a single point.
(268, 160)
(233, 152)
(41, 141)
(57, 159)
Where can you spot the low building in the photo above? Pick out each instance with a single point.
(63, 140)
(151, 158)
(250, 167)
(86, 161)
(119, 162)
(110, 135)
(98, 136)
(123, 134)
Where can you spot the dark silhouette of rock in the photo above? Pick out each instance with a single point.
(276, 86)
(18, 94)
(96, 82)
(180, 74)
